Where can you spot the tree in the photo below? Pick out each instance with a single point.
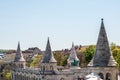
(36, 60)
(112, 46)
(89, 52)
(61, 58)
(64, 60)
(7, 76)
(116, 53)
(1, 62)
(58, 57)
(6, 73)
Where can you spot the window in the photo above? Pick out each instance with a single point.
(51, 67)
(62, 79)
(101, 75)
(108, 76)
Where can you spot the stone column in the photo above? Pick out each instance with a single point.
(118, 75)
(104, 76)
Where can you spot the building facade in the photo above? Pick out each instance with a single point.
(103, 64)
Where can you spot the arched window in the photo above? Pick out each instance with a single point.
(43, 68)
(78, 78)
(19, 65)
(51, 67)
(101, 75)
(108, 76)
(22, 66)
(62, 79)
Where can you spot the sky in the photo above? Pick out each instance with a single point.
(64, 21)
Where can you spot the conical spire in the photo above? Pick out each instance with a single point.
(73, 45)
(73, 55)
(73, 59)
(48, 56)
(19, 55)
(102, 53)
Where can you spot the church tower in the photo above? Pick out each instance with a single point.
(103, 62)
(19, 60)
(48, 63)
(102, 56)
(73, 60)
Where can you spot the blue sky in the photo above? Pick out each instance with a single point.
(64, 21)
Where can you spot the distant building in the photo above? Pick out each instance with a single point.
(2, 55)
(102, 64)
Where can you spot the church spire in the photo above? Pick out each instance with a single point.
(48, 55)
(19, 56)
(102, 54)
(73, 55)
(73, 59)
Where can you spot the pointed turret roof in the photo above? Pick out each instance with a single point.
(73, 55)
(19, 56)
(48, 55)
(102, 56)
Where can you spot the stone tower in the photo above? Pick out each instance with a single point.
(48, 63)
(103, 62)
(73, 60)
(102, 56)
(19, 59)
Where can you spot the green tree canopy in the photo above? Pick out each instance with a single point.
(116, 53)
(61, 58)
(36, 60)
(89, 52)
